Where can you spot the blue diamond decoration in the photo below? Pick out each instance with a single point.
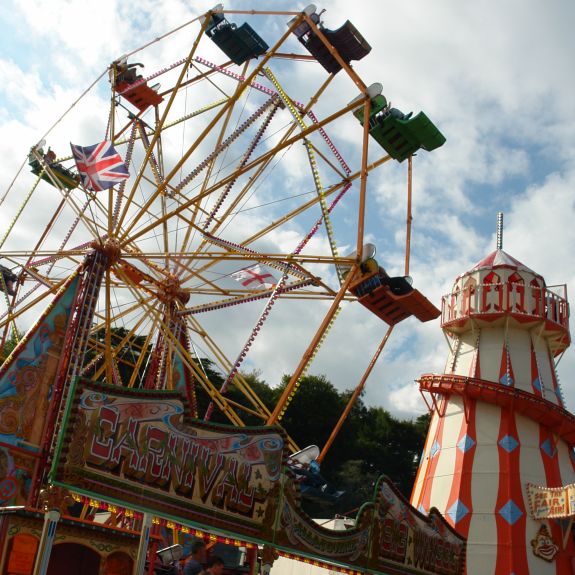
(548, 448)
(457, 511)
(537, 384)
(435, 448)
(506, 380)
(510, 512)
(509, 443)
(465, 443)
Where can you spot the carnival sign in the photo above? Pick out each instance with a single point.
(551, 502)
(139, 449)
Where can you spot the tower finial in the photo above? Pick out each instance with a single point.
(499, 230)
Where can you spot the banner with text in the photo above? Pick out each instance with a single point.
(139, 449)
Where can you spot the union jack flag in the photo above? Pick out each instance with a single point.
(100, 166)
(255, 277)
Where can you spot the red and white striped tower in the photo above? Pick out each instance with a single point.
(498, 417)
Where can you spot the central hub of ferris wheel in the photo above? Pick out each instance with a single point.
(110, 247)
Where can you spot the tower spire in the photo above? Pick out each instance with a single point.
(499, 230)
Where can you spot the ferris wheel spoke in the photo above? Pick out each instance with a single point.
(265, 164)
(151, 333)
(122, 186)
(223, 195)
(216, 118)
(212, 216)
(214, 393)
(312, 161)
(158, 129)
(222, 360)
(125, 313)
(221, 146)
(254, 163)
(127, 340)
(19, 212)
(211, 161)
(190, 364)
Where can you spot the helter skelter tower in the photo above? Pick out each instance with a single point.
(498, 420)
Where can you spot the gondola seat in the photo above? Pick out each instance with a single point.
(139, 95)
(67, 178)
(377, 294)
(238, 44)
(400, 137)
(348, 42)
(8, 280)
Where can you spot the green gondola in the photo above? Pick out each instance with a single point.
(67, 178)
(400, 136)
(238, 44)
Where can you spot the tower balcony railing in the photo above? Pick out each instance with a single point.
(516, 299)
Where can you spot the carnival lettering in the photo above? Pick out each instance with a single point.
(433, 554)
(166, 458)
(393, 539)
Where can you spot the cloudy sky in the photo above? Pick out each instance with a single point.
(497, 80)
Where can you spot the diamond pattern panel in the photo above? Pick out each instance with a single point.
(548, 448)
(509, 443)
(465, 443)
(510, 512)
(457, 511)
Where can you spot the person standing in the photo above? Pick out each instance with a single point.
(197, 558)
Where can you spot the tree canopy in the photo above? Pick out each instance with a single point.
(371, 442)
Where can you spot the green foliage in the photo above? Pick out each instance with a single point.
(11, 342)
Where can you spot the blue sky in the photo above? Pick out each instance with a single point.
(497, 82)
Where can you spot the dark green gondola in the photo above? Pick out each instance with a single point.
(238, 44)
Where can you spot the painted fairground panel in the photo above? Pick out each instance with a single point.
(389, 536)
(111, 550)
(141, 450)
(16, 472)
(27, 375)
(26, 381)
(402, 535)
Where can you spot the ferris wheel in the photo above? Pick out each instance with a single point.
(228, 183)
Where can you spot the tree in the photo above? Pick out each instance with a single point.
(370, 443)
(11, 343)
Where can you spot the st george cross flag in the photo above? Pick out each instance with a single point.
(99, 166)
(255, 277)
